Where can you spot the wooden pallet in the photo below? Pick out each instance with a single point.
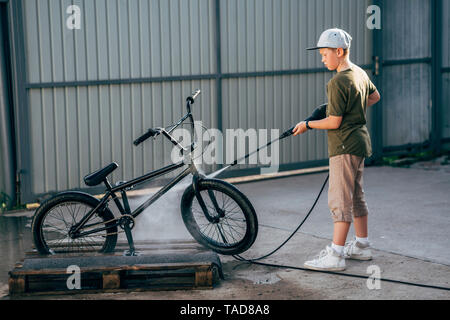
(144, 247)
(160, 266)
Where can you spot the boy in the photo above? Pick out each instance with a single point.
(349, 93)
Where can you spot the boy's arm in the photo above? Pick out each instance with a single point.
(331, 122)
(337, 94)
(373, 98)
(319, 113)
(334, 122)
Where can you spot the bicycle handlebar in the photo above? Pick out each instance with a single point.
(193, 95)
(145, 136)
(154, 132)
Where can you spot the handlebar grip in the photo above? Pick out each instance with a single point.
(196, 93)
(193, 96)
(145, 136)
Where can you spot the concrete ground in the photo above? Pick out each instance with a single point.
(409, 227)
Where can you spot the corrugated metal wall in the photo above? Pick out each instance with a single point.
(272, 35)
(91, 92)
(79, 125)
(119, 39)
(446, 69)
(406, 104)
(78, 129)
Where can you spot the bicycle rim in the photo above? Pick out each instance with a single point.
(230, 230)
(57, 223)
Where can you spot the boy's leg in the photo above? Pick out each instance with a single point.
(359, 248)
(340, 195)
(361, 226)
(340, 232)
(340, 202)
(360, 210)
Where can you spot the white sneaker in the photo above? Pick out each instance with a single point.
(327, 260)
(358, 251)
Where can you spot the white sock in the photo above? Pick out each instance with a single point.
(337, 248)
(362, 240)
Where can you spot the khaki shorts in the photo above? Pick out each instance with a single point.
(345, 192)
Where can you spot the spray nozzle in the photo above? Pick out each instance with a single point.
(287, 133)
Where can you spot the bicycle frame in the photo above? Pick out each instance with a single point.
(125, 209)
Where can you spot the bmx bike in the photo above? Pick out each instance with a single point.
(216, 213)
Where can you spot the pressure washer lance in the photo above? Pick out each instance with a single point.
(235, 162)
(318, 114)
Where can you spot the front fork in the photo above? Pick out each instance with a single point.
(220, 213)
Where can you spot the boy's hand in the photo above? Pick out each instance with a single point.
(300, 128)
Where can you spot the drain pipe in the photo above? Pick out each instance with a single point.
(7, 175)
(7, 159)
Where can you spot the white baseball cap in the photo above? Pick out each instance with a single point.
(333, 38)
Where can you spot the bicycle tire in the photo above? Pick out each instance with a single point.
(222, 190)
(45, 245)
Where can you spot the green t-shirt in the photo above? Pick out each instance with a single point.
(348, 92)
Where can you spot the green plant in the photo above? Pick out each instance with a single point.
(407, 159)
(389, 160)
(5, 201)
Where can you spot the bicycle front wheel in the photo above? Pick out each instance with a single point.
(54, 219)
(230, 225)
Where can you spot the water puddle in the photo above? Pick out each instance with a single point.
(15, 240)
(260, 277)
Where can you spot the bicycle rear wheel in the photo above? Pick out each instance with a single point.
(232, 225)
(55, 217)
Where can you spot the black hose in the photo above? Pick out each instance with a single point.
(352, 275)
(238, 257)
(254, 261)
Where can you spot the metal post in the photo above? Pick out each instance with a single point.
(436, 75)
(20, 98)
(377, 72)
(218, 72)
(7, 154)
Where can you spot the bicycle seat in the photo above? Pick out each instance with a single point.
(98, 176)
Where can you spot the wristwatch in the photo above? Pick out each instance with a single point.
(307, 125)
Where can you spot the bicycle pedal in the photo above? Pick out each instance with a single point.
(128, 253)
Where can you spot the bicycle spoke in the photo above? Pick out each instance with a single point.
(231, 226)
(236, 206)
(61, 217)
(230, 229)
(58, 222)
(222, 234)
(236, 227)
(234, 232)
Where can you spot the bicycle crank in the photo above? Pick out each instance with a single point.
(126, 221)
